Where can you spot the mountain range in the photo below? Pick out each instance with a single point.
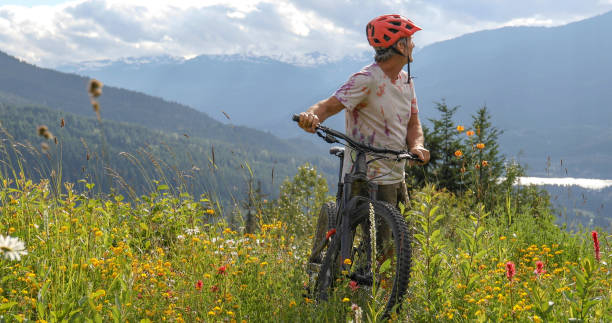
(163, 134)
(548, 89)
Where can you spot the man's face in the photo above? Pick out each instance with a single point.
(407, 49)
(410, 48)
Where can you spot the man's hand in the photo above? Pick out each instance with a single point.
(422, 153)
(309, 121)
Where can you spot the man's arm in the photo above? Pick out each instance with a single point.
(319, 112)
(415, 138)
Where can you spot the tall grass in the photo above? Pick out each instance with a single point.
(169, 256)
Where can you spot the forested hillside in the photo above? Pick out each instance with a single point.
(136, 155)
(21, 82)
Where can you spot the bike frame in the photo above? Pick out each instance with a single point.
(347, 202)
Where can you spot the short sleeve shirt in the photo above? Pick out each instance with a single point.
(377, 114)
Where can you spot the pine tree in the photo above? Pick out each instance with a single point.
(443, 142)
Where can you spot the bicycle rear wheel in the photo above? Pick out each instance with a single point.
(325, 222)
(389, 273)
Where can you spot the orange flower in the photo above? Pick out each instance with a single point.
(458, 153)
(460, 128)
(469, 133)
(480, 145)
(485, 163)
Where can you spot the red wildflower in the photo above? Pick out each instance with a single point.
(596, 244)
(199, 285)
(539, 268)
(214, 288)
(330, 233)
(510, 270)
(353, 285)
(221, 270)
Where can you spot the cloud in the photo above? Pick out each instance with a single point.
(300, 31)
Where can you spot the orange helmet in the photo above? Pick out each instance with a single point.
(385, 30)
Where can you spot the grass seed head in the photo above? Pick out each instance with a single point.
(95, 88)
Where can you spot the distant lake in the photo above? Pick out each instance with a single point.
(588, 183)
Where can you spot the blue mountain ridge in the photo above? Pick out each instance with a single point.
(547, 88)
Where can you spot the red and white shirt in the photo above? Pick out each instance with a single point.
(377, 114)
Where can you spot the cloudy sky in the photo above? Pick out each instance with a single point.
(49, 33)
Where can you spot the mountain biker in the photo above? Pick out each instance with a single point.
(381, 110)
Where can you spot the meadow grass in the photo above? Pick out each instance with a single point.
(165, 258)
(170, 256)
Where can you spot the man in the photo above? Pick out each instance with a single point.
(381, 108)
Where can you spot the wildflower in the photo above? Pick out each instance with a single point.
(330, 233)
(221, 270)
(596, 244)
(502, 238)
(12, 248)
(292, 304)
(510, 270)
(95, 88)
(539, 268)
(458, 153)
(347, 261)
(485, 163)
(469, 133)
(193, 231)
(345, 300)
(214, 288)
(480, 145)
(199, 284)
(460, 128)
(353, 285)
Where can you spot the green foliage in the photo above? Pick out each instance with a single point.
(300, 200)
(442, 141)
(466, 159)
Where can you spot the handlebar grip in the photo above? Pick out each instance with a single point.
(296, 118)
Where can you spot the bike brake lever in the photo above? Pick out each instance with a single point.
(327, 137)
(410, 156)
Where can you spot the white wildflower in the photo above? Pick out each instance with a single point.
(373, 233)
(193, 231)
(180, 237)
(12, 248)
(358, 313)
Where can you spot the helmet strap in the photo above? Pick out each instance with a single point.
(408, 71)
(407, 65)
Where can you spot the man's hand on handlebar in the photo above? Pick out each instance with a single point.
(309, 121)
(420, 152)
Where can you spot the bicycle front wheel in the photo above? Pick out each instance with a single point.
(382, 276)
(380, 268)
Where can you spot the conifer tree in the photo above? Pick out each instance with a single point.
(443, 142)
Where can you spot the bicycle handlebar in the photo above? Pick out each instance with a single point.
(330, 135)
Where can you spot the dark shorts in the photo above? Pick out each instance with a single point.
(393, 193)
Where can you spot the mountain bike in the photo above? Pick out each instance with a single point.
(380, 267)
